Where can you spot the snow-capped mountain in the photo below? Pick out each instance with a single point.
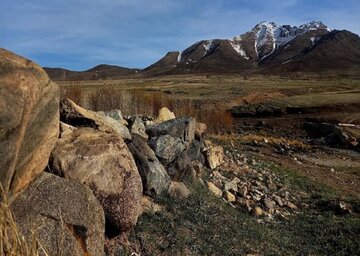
(268, 36)
(265, 46)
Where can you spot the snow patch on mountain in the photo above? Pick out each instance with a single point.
(179, 57)
(207, 45)
(313, 40)
(238, 49)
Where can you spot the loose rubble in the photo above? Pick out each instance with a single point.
(251, 187)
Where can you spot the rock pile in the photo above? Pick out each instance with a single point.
(101, 168)
(253, 188)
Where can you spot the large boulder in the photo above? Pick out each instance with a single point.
(166, 148)
(182, 128)
(29, 121)
(77, 116)
(153, 174)
(114, 114)
(64, 215)
(103, 162)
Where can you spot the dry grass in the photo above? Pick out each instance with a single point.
(206, 98)
(12, 242)
(133, 102)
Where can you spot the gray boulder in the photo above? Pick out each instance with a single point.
(153, 174)
(166, 148)
(138, 127)
(65, 216)
(194, 152)
(103, 162)
(182, 128)
(181, 168)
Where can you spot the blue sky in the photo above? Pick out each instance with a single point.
(79, 34)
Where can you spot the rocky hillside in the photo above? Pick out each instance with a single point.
(82, 177)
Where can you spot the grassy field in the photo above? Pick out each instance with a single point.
(209, 98)
(204, 225)
(226, 88)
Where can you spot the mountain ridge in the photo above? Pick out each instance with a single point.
(267, 48)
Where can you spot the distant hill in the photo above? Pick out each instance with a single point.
(267, 49)
(99, 72)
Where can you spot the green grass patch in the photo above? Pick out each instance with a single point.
(205, 225)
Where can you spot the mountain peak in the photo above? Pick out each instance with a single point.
(313, 25)
(269, 36)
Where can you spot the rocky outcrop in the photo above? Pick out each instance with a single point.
(77, 116)
(65, 216)
(103, 162)
(29, 121)
(153, 174)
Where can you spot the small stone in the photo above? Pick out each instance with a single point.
(214, 156)
(278, 200)
(200, 129)
(269, 204)
(178, 190)
(257, 211)
(271, 186)
(256, 197)
(291, 206)
(243, 191)
(229, 186)
(332, 170)
(214, 189)
(149, 122)
(230, 197)
(148, 205)
(235, 180)
(207, 144)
